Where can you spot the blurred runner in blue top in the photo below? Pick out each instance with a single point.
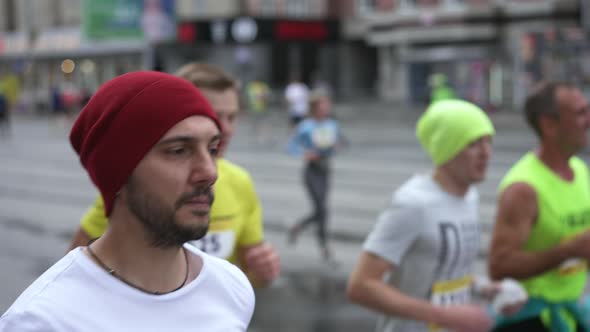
(316, 138)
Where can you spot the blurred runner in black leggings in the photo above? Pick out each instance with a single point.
(316, 138)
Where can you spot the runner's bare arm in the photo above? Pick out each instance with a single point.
(517, 212)
(367, 287)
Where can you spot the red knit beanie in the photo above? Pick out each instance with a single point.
(125, 118)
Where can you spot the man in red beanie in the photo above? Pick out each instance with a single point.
(236, 231)
(148, 141)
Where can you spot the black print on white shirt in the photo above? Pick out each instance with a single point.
(459, 244)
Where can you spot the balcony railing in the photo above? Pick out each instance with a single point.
(368, 7)
(287, 8)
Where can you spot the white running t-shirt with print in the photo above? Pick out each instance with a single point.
(76, 294)
(432, 238)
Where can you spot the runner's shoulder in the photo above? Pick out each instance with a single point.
(235, 173)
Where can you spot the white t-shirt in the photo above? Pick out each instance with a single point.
(432, 238)
(76, 295)
(297, 94)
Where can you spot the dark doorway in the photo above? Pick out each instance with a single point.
(280, 64)
(300, 59)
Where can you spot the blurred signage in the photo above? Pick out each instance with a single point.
(247, 30)
(58, 39)
(13, 43)
(152, 20)
(158, 20)
(294, 30)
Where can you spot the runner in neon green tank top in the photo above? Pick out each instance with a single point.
(541, 235)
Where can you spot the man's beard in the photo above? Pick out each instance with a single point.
(159, 220)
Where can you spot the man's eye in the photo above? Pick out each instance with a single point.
(177, 151)
(213, 151)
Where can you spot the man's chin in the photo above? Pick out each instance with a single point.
(179, 233)
(197, 232)
(194, 212)
(195, 220)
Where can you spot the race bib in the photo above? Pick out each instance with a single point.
(450, 292)
(219, 244)
(324, 137)
(572, 266)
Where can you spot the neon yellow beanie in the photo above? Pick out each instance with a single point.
(448, 126)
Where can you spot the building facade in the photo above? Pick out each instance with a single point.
(43, 42)
(274, 40)
(492, 52)
(314, 41)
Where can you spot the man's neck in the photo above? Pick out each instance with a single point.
(125, 248)
(449, 184)
(556, 159)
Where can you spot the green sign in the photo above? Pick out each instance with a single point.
(112, 19)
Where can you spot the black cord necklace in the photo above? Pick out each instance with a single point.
(114, 274)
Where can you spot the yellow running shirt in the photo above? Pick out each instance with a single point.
(236, 215)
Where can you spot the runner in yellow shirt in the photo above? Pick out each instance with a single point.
(235, 231)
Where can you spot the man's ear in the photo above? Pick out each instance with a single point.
(548, 125)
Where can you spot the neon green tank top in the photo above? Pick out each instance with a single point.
(564, 211)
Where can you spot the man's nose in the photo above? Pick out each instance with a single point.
(204, 171)
(486, 149)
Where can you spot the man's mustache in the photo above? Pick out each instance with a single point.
(185, 198)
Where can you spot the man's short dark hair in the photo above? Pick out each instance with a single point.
(543, 102)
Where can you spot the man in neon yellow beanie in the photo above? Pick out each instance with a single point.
(416, 266)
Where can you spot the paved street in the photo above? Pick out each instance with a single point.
(44, 191)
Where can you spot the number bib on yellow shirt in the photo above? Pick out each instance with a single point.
(219, 244)
(450, 292)
(572, 266)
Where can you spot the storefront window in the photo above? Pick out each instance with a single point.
(366, 6)
(552, 54)
(372, 6)
(297, 8)
(10, 23)
(427, 3)
(261, 7)
(267, 7)
(477, 2)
